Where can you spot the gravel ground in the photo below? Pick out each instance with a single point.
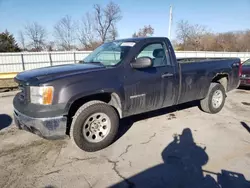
(173, 147)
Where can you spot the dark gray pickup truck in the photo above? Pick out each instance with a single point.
(119, 79)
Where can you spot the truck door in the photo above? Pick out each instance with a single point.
(170, 78)
(146, 88)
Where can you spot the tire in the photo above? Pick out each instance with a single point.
(83, 128)
(213, 106)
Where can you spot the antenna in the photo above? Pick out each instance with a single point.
(170, 22)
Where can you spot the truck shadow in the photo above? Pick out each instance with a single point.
(126, 123)
(182, 167)
(5, 121)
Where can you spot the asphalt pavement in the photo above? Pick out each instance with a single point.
(174, 147)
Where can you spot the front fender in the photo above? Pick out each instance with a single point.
(114, 92)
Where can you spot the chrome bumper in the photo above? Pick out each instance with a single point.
(49, 128)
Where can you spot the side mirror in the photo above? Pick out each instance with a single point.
(142, 62)
(81, 61)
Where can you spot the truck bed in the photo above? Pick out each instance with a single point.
(197, 74)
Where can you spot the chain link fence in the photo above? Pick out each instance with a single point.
(17, 62)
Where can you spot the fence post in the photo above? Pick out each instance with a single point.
(22, 62)
(75, 57)
(50, 59)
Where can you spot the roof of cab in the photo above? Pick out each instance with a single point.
(138, 39)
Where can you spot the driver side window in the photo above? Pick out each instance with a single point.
(156, 52)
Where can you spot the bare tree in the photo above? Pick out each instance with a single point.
(113, 32)
(86, 32)
(37, 35)
(50, 46)
(106, 19)
(246, 41)
(93, 45)
(22, 40)
(190, 35)
(227, 41)
(208, 42)
(183, 32)
(242, 40)
(146, 31)
(65, 33)
(100, 26)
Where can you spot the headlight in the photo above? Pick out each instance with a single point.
(245, 75)
(41, 95)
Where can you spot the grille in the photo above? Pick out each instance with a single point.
(23, 93)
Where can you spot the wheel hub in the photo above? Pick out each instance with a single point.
(217, 99)
(96, 127)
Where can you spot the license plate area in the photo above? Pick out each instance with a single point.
(243, 82)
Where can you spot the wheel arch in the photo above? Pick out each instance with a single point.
(222, 78)
(111, 98)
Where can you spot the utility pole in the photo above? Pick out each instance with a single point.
(170, 22)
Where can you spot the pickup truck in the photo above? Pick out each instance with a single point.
(121, 78)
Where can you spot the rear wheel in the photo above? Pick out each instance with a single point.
(215, 99)
(94, 126)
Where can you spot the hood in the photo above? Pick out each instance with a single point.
(37, 75)
(246, 69)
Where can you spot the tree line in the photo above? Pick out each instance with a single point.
(100, 25)
(95, 27)
(194, 37)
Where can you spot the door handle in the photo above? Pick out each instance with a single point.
(167, 75)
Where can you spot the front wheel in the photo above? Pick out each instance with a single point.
(215, 99)
(94, 126)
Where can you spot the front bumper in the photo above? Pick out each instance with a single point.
(49, 128)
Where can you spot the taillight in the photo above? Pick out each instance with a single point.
(240, 69)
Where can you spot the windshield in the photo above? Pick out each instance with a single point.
(109, 54)
(246, 63)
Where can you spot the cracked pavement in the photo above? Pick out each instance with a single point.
(29, 161)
